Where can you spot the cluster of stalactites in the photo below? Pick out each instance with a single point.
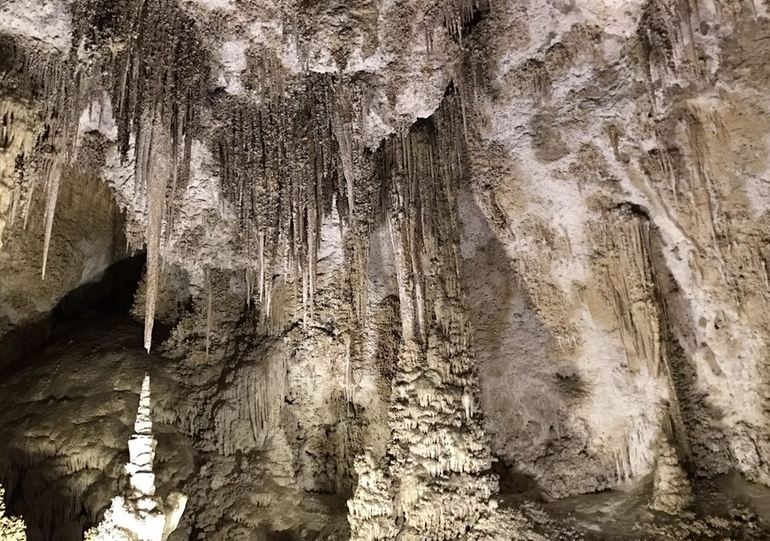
(147, 57)
(156, 69)
(59, 86)
(439, 462)
(16, 143)
(421, 171)
(285, 164)
(157, 79)
(454, 15)
(668, 48)
(286, 159)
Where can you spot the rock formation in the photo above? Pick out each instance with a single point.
(399, 265)
(371, 509)
(11, 528)
(439, 463)
(671, 488)
(138, 515)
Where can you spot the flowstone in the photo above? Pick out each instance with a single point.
(370, 511)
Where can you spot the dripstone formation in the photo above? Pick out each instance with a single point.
(139, 515)
(422, 270)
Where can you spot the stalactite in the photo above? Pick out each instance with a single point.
(704, 190)
(155, 174)
(52, 194)
(261, 287)
(357, 192)
(438, 455)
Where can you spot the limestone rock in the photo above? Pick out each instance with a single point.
(139, 515)
(405, 247)
(671, 488)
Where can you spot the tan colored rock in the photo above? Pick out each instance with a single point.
(671, 488)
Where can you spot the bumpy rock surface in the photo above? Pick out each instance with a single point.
(435, 234)
(671, 489)
(11, 528)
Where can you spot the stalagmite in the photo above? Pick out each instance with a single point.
(138, 515)
(141, 446)
(671, 488)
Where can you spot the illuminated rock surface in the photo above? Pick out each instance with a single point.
(11, 528)
(398, 269)
(139, 514)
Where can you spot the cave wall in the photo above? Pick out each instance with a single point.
(602, 237)
(626, 116)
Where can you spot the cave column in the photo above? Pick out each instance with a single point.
(439, 458)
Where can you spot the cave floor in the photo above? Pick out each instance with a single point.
(81, 387)
(724, 507)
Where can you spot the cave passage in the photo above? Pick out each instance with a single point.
(112, 295)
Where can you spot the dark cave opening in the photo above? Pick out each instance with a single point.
(111, 295)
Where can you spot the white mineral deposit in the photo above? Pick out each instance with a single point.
(384, 270)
